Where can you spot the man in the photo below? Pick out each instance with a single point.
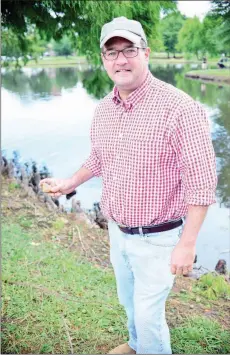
(151, 145)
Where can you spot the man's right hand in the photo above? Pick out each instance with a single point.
(57, 187)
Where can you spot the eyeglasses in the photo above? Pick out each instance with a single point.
(112, 54)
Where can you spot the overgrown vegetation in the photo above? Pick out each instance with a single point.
(58, 296)
(214, 287)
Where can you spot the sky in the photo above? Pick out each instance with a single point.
(194, 8)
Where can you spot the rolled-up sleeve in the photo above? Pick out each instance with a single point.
(93, 162)
(191, 140)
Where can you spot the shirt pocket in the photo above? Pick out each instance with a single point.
(142, 150)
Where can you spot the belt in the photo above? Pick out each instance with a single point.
(151, 229)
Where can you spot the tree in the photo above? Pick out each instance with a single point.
(80, 20)
(190, 37)
(11, 45)
(221, 10)
(211, 42)
(170, 27)
(63, 47)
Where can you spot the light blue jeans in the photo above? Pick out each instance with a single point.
(142, 270)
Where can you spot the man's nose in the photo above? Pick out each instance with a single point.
(121, 58)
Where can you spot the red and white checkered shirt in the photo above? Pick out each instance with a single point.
(154, 154)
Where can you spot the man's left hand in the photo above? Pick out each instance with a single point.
(182, 259)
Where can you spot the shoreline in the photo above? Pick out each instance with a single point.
(61, 61)
(27, 177)
(217, 76)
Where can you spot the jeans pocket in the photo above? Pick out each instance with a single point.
(163, 239)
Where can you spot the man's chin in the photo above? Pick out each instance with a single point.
(123, 83)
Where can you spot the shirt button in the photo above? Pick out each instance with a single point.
(112, 199)
(118, 156)
(114, 178)
(120, 135)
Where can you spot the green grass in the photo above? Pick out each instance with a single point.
(200, 336)
(213, 287)
(56, 302)
(57, 62)
(62, 61)
(58, 225)
(47, 289)
(163, 57)
(13, 186)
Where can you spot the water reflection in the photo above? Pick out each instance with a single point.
(37, 84)
(46, 83)
(221, 143)
(97, 83)
(166, 73)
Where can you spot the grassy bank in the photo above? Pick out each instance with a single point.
(59, 293)
(53, 62)
(61, 61)
(216, 75)
(163, 58)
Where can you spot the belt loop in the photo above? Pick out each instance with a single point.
(141, 231)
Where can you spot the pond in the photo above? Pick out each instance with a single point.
(47, 113)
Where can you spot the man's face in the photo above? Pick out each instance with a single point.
(126, 73)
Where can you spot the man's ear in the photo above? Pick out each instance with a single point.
(147, 53)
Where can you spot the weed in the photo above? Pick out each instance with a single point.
(213, 286)
(58, 225)
(25, 222)
(13, 186)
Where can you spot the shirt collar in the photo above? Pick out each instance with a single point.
(135, 96)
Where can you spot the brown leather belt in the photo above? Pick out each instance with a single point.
(151, 229)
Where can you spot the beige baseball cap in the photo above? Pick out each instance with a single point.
(122, 27)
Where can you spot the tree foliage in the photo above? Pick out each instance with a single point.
(81, 20)
(221, 10)
(211, 42)
(63, 46)
(189, 37)
(210, 36)
(11, 45)
(170, 27)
